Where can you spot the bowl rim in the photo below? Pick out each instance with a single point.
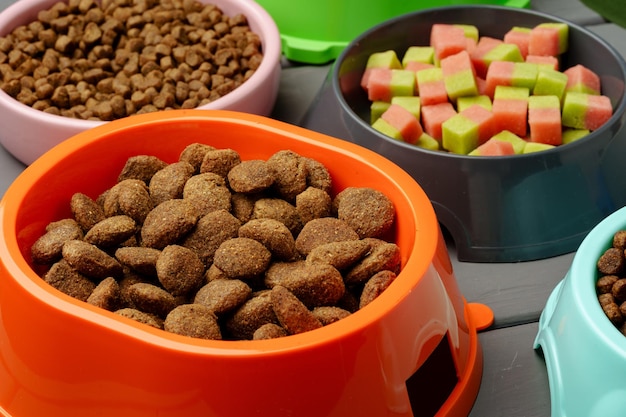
(260, 22)
(20, 271)
(345, 107)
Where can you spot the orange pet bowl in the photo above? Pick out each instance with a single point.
(412, 351)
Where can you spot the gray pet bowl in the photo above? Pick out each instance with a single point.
(501, 209)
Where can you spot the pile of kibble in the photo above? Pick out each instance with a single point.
(611, 285)
(87, 60)
(212, 246)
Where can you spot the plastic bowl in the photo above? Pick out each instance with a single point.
(585, 353)
(316, 32)
(414, 346)
(501, 209)
(27, 133)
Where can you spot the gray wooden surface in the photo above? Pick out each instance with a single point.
(514, 380)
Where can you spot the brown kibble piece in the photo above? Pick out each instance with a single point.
(242, 257)
(47, 248)
(318, 175)
(208, 192)
(141, 260)
(313, 203)
(223, 295)
(179, 270)
(384, 255)
(274, 235)
(278, 209)
(314, 284)
(69, 281)
(321, 231)
(141, 317)
(605, 283)
(141, 167)
(611, 309)
(194, 154)
(292, 314)
(375, 286)
(134, 200)
(90, 261)
(341, 255)
(169, 182)
(152, 299)
(269, 331)
(220, 161)
(368, 211)
(86, 211)
(290, 173)
(619, 290)
(111, 231)
(252, 176)
(193, 320)
(611, 262)
(210, 232)
(253, 314)
(168, 222)
(106, 295)
(619, 240)
(330, 314)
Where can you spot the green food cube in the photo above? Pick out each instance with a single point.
(550, 82)
(507, 136)
(463, 103)
(429, 75)
(470, 31)
(507, 92)
(563, 32)
(402, 83)
(377, 108)
(459, 135)
(504, 52)
(574, 110)
(425, 54)
(524, 75)
(428, 142)
(411, 103)
(536, 147)
(386, 59)
(572, 135)
(544, 102)
(461, 84)
(386, 129)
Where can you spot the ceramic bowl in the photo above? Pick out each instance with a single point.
(500, 209)
(27, 133)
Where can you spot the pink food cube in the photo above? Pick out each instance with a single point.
(544, 120)
(511, 114)
(551, 62)
(499, 73)
(485, 45)
(485, 119)
(582, 80)
(404, 121)
(447, 40)
(519, 36)
(433, 117)
(431, 86)
(495, 147)
(379, 84)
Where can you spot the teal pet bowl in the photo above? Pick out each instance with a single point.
(585, 354)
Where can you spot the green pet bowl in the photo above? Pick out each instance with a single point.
(315, 32)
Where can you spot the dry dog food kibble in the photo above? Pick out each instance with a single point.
(211, 246)
(87, 60)
(611, 284)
